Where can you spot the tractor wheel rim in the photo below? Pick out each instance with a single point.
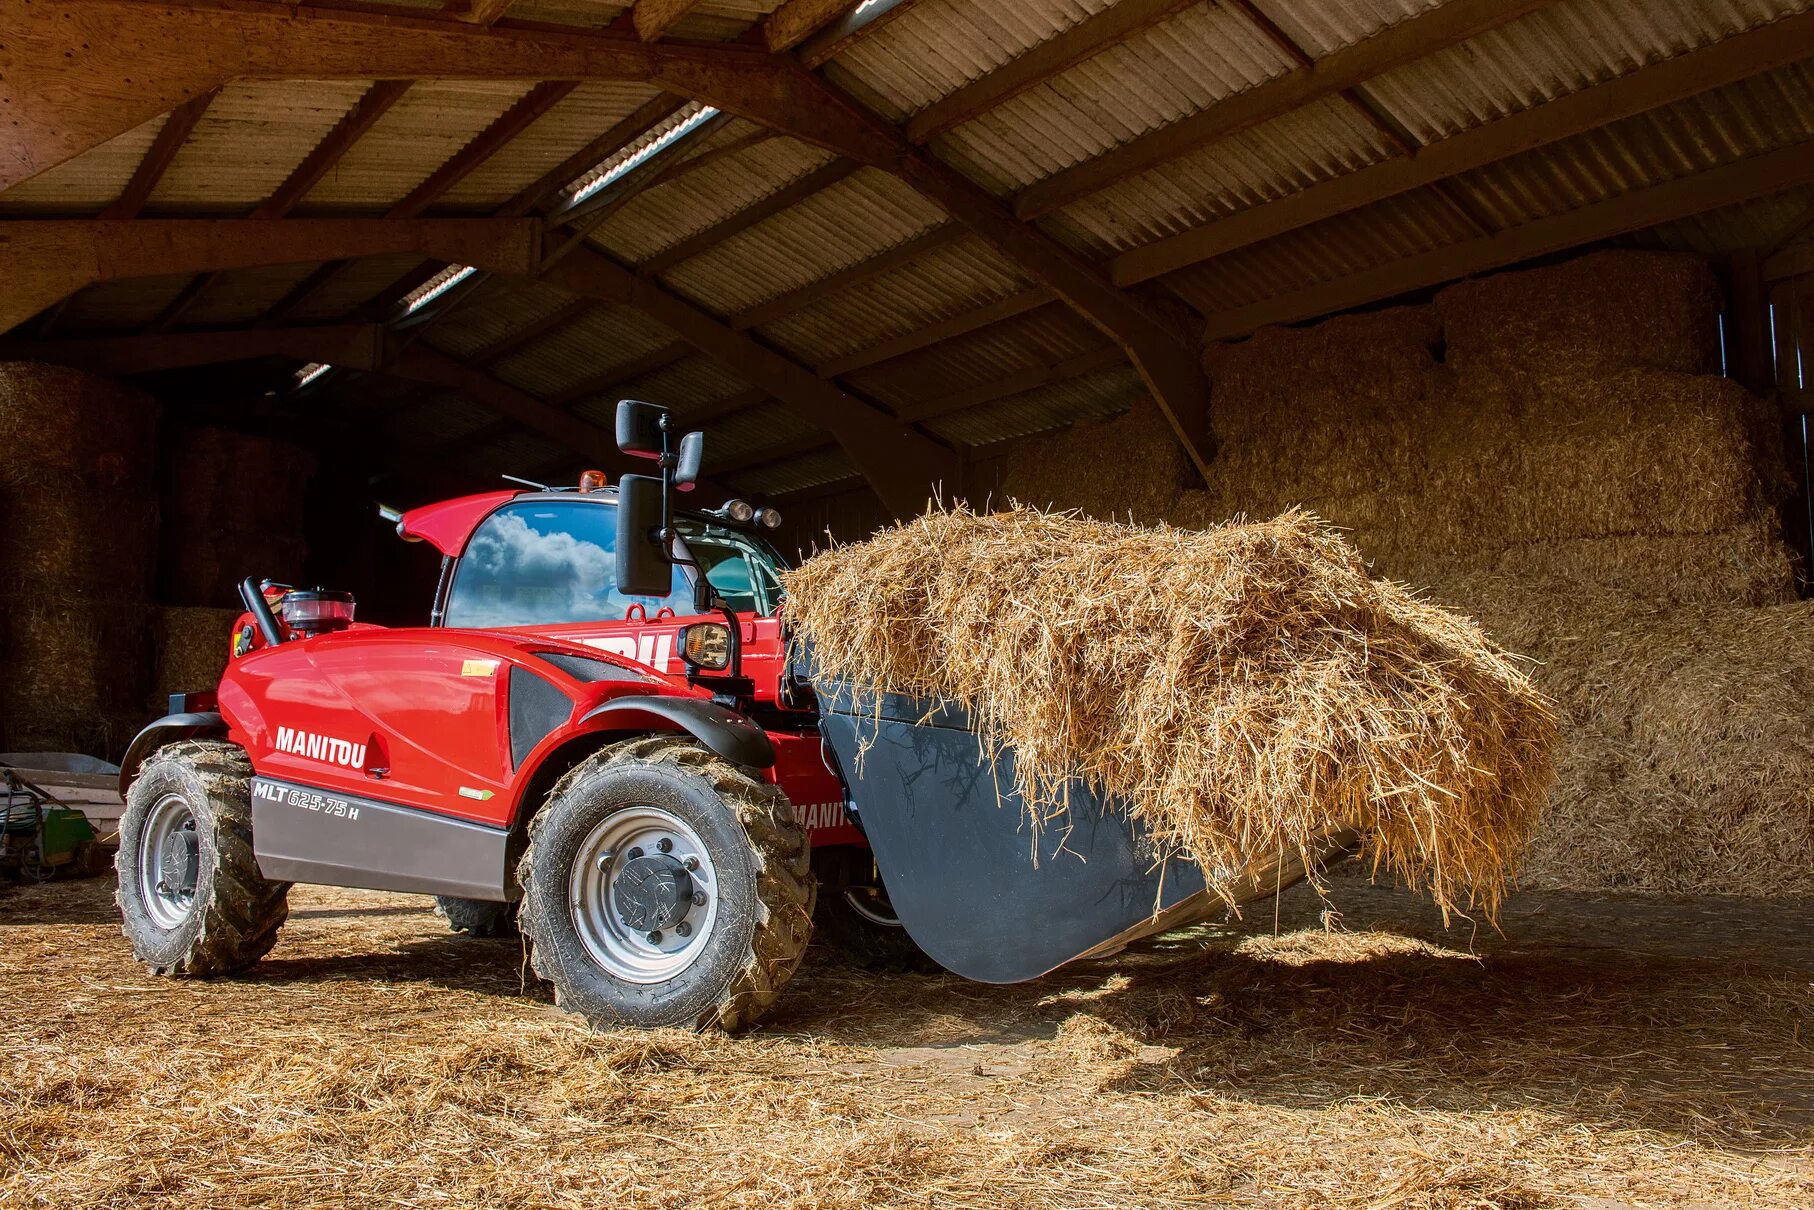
(169, 862)
(600, 896)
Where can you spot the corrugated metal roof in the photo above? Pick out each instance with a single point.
(840, 225)
(1050, 334)
(352, 286)
(87, 184)
(250, 139)
(434, 119)
(573, 122)
(670, 211)
(234, 299)
(957, 278)
(796, 474)
(1049, 407)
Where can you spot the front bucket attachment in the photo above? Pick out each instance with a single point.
(980, 889)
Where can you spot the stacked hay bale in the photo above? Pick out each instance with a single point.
(192, 644)
(233, 507)
(1551, 451)
(76, 558)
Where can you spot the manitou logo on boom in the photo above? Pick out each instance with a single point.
(324, 748)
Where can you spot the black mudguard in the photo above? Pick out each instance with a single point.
(167, 730)
(975, 884)
(725, 732)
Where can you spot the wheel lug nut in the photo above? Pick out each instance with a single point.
(635, 853)
(698, 898)
(604, 859)
(655, 937)
(691, 863)
(665, 845)
(684, 929)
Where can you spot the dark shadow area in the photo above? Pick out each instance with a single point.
(490, 966)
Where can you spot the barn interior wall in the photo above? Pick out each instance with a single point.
(1554, 452)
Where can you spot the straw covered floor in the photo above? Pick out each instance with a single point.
(1639, 1054)
(1247, 690)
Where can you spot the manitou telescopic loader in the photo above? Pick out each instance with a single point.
(602, 735)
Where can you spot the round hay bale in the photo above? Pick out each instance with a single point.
(63, 419)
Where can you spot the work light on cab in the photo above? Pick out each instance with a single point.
(706, 645)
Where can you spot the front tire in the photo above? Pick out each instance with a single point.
(663, 886)
(192, 901)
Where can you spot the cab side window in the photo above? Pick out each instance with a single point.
(545, 561)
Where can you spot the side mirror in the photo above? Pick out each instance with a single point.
(639, 428)
(644, 566)
(686, 463)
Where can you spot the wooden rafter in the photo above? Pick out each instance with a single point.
(783, 305)
(170, 139)
(1019, 382)
(1409, 40)
(1690, 195)
(782, 451)
(320, 161)
(858, 22)
(480, 12)
(797, 20)
(622, 375)
(529, 333)
(957, 325)
(905, 465)
(482, 146)
(368, 347)
(789, 195)
(45, 260)
(625, 131)
(1726, 62)
(653, 18)
(212, 44)
(1088, 38)
(372, 105)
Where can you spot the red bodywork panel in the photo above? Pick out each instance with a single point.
(420, 717)
(446, 526)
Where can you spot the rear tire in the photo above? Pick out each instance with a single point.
(701, 933)
(477, 917)
(192, 901)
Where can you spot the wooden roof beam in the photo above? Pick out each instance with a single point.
(905, 466)
(797, 20)
(957, 325)
(783, 305)
(528, 334)
(1018, 383)
(369, 347)
(482, 146)
(1083, 41)
(792, 194)
(1727, 185)
(45, 260)
(622, 375)
(807, 443)
(1412, 39)
(44, 42)
(170, 139)
(653, 18)
(1778, 44)
(860, 20)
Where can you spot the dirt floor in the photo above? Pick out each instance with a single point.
(1600, 1053)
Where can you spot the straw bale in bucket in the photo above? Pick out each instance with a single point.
(1244, 689)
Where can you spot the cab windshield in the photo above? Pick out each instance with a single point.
(549, 561)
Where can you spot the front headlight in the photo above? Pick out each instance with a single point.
(706, 645)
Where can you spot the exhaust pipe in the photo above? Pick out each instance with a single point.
(260, 610)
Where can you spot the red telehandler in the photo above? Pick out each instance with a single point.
(603, 737)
